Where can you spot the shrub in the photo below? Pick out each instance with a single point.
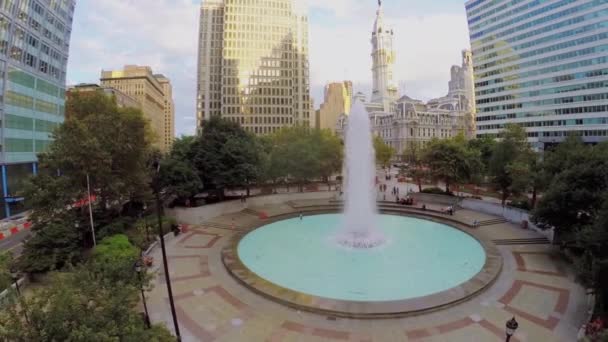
(437, 191)
(521, 203)
(114, 258)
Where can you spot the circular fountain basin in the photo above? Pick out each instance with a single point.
(422, 265)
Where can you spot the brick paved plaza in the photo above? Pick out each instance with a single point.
(535, 286)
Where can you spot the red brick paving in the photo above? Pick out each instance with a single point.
(521, 263)
(444, 328)
(549, 323)
(209, 244)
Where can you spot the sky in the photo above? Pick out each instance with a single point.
(429, 37)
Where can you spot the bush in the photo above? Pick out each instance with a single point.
(521, 203)
(114, 258)
(437, 191)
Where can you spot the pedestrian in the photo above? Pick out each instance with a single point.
(475, 224)
(301, 217)
(384, 197)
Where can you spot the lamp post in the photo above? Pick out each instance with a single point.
(138, 270)
(15, 278)
(157, 190)
(145, 207)
(511, 326)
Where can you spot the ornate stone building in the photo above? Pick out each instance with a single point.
(403, 122)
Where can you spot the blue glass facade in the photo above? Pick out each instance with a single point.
(34, 46)
(542, 64)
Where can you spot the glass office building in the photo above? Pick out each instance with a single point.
(34, 45)
(542, 64)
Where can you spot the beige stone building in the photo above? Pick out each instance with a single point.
(253, 64)
(140, 83)
(122, 100)
(169, 133)
(337, 101)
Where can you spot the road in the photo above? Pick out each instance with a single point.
(14, 243)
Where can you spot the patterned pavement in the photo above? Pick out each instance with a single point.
(535, 286)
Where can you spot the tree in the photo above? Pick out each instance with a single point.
(451, 161)
(225, 155)
(6, 262)
(101, 142)
(330, 153)
(114, 259)
(576, 192)
(54, 245)
(509, 167)
(416, 169)
(485, 146)
(76, 306)
(179, 179)
(384, 152)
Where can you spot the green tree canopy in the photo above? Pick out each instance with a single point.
(76, 306)
(575, 195)
(225, 155)
(6, 261)
(509, 167)
(384, 152)
(114, 258)
(451, 161)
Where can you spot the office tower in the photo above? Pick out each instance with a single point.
(151, 91)
(542, 65)
(169, 131)
(337, 100)
(34, 49)
(253, 64)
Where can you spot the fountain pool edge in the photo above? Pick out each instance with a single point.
(353, 309)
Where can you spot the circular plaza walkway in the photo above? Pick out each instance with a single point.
(535, 286)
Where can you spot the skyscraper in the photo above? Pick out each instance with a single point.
(153, 92)
(337, 100)
(383, 58)
(34, 49)
(253, 64)
(543, 65)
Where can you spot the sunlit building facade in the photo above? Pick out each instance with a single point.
(253, 64)
(337, 100)
(154, 94)
(34, 49)
(542, 65)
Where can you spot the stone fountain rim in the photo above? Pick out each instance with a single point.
(366, 309)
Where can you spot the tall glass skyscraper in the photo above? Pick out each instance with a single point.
(253, 64)
(542, 64)
(34, 45)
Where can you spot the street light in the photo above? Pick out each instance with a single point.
(157, 189)
(145, 207)
(511, 326)
(15, 277)
(138, 270)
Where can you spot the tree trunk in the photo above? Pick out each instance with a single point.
(504, 196)
(419, 184)
(534, 195)
(248, 190)
(447, 187)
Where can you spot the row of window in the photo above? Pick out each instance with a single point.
(548, 102)
(540, 20)
(544, 71)
(25, 145)
(544, 81)
(586, 133)
(492, 11)
(550, 59)
(551, 48)
(560, 111)
(559, 90)
(572, 122)
(509, 48)
(28, 124)
(591, 16)
(511, 14)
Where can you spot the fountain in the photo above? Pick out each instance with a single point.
(359, 222)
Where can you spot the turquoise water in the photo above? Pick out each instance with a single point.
(421, 258)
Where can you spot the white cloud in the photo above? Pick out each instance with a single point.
(163, 34)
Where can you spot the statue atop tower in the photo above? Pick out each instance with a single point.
(383, 59)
